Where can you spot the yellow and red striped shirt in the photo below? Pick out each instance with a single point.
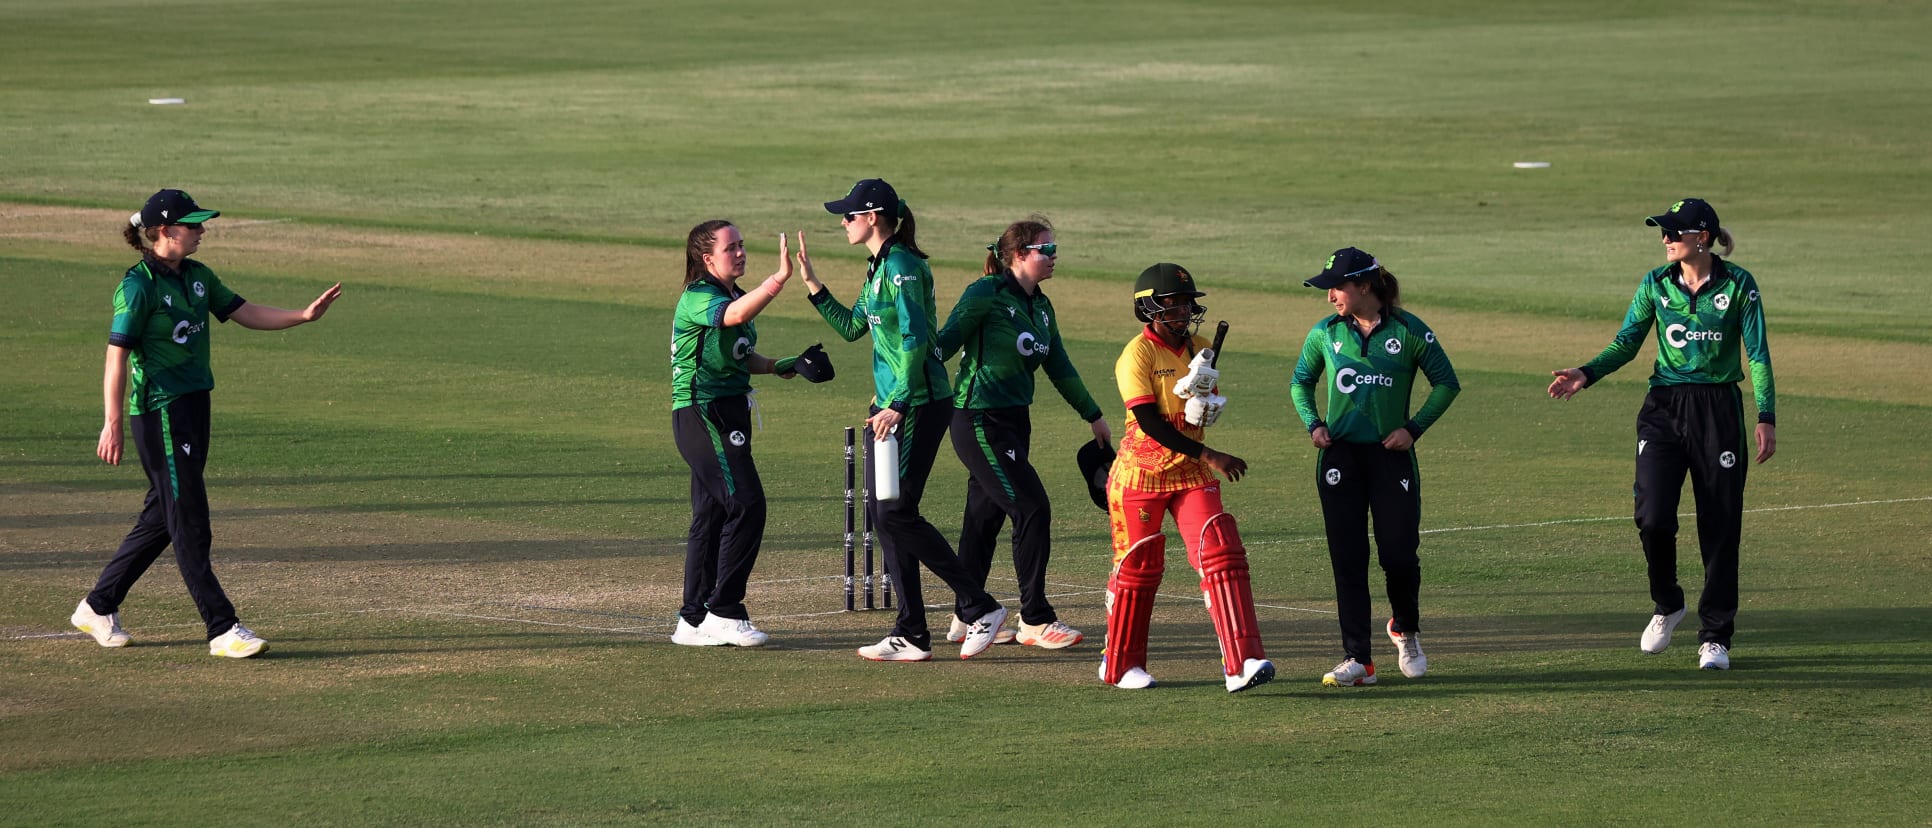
(1146, 372)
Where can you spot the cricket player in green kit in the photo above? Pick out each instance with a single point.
(911, 397)
(1368, 354)
(1004, 328)
(158, 376)
(713, 355)
(1707, 312)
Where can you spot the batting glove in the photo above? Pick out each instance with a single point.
(1205, 409)
(1201, 377)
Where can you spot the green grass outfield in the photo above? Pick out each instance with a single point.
(454, 508)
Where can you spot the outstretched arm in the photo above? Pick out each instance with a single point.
(265, 318)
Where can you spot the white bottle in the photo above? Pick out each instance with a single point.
(885, 468)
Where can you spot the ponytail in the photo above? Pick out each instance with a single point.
(1724, 238)
(1386, 288)
(906, 231)
(1019, 234)
(140, 238)
(697, 244)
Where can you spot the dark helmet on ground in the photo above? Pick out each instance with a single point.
(1161, 281)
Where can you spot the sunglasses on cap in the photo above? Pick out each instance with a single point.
(1049, 250)
(854, 216)
(1677, 234)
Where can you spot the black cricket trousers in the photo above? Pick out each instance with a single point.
(1696, 430)
(910, 540)
(1355, 479)
(173, 444)
(727, 506)
(993, 444)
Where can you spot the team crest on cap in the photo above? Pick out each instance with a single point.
(1330, 265)
(1678, 206)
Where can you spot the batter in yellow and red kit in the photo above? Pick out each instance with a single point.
(1172, 393)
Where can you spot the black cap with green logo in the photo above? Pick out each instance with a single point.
(171, 207)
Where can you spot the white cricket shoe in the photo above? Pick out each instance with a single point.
(982, 633)
(691, 636)
(1134, 679)
(1657, 635)
(106, 629)
(1713, 656)
(737, 632)
(238, 642)
(1053, 636)
(894, 648)
(1254, 673)
(1349, 673)
(1408, 650)
(959, 629)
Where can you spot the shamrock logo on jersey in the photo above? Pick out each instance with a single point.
(1334, 477)
(199, 290)
(1722, 301)
(1393, 346)
(1727, 459)
(737, 438)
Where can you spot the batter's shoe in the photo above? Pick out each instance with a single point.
(1134, 679)
(1254, 673)
(106, 629)
(691, 636)
(894, 648)
(1349, 673)
(1713, 656)
(737, 632)
(1657, 635)
(1052, 636)
(238, 642)
(959, 629)
(1408, 651)
(981, 634)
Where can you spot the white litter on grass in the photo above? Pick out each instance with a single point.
(165, 101)
(1531, 165)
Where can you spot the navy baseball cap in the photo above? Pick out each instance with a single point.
(1689, 214)
(171, 207)
(813, 365)
(1346, 263)
(868, 196)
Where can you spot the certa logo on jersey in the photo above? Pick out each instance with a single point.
(1028, 345)
(1680, 336)
(185, 329)
(1348, 379)
(740, 348)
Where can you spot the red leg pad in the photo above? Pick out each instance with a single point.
(1130, 605)
(1230, 600)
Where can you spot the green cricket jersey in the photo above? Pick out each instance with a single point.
(1698, 334)
(708, 356)
(1369, 377)
(896, 305)
(161, 317)
(1003, 336)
